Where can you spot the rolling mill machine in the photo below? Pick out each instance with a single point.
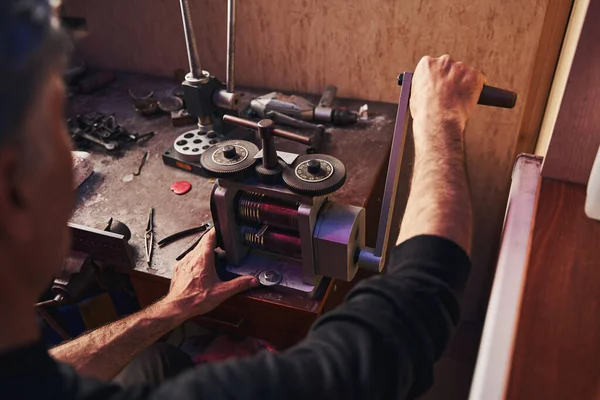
(272, 212)
(271, 209)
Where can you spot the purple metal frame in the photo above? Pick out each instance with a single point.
(389, 220)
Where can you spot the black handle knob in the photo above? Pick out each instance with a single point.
(229, 151)
(490, 96)
(313, 167)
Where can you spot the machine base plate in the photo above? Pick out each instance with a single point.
(291, 270)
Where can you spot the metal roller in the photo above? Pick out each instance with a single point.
(259, 209)
(272, 241)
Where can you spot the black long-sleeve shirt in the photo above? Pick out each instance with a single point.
(381, 343)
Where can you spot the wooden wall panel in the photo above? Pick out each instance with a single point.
(576, 135)
(561, 75)
(360, 46)
(557, 347)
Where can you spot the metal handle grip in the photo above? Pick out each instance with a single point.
(490, 96)
(496, 97)
(294, 137)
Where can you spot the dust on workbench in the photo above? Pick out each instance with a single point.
(110, 191)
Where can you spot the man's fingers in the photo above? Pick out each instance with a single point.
(210, 239)
(208, 243)
(237, 285)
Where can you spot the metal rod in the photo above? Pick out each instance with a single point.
(294, 137)
(231, 45)
(265, 130)
(190, 40)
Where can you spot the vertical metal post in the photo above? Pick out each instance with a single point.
(265, 130)
(231, 45)
(190, 40)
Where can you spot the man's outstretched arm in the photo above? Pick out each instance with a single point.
(383, 341)
(443, 96)
(195, 289)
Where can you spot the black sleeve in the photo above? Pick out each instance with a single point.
(380, 344)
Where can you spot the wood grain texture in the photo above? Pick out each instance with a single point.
(576, 135)
(557, 349)
(538, 91)
(561, 74)
(359, 46)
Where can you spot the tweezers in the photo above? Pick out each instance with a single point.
(149, 237)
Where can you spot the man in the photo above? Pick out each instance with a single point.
(380, 344)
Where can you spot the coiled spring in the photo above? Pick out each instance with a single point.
(249, 206)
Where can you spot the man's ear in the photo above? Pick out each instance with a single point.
(16, 217)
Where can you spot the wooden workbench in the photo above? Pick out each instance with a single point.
(274, 315)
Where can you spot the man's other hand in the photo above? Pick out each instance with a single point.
(195, 287)
(444, 91)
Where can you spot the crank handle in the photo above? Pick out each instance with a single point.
(490, 96)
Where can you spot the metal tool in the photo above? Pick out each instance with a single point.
(92, 251)
(146, 104)
(139, 169)
(231, 4)
(301, 108)
(108, 145)
(137, 137)
(328, 96)
(190, 145)
(149, 237)
(281, 118)
(206, 99)
(102, 129)
(185, 233)
(313, 142)
(195, 243)
(278, 214)
(169, 104)
(204, 94)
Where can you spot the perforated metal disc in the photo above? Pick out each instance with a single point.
(220, 161)
(327, 178)
(192, 144)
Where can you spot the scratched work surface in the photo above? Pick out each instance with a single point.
(106, 194)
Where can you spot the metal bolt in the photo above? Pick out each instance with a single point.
(270, 277)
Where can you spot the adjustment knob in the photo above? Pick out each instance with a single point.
(229, 151)
(313, 167)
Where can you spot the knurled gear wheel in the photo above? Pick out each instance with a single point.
(315, 175)
(229, 159)
(270, 176)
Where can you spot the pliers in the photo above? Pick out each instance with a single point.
(178, 235)
(149, 237)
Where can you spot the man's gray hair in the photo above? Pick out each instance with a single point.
(32, 45)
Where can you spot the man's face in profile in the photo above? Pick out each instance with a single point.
(36, 193)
